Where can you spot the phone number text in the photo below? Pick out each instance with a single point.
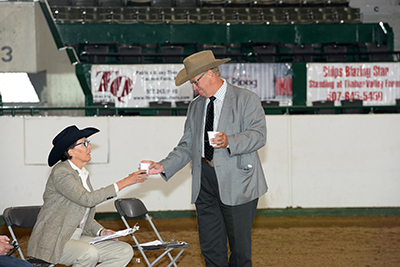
(365, 96)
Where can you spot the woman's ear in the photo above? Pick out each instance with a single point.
(71, 152)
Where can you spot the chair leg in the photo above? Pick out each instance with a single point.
(125, 222)
(159, 238)
(154, 227)
(16, 242)
(166, 252)
(158, 235)
(136, 242)
(142, 252)
(176, 257)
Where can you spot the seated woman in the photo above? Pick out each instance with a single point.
(66, 223)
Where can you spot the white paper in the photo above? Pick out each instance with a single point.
(158, 242)
(152, 243)
(117, 234)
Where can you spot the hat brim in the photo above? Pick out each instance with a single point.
(183, 77)
(58, 149)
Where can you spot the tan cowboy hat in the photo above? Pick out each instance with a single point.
(196, 64)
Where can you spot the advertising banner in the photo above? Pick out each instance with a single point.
(374, 83)
(271, 81)
(137, 85)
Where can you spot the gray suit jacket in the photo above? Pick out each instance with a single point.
(65, 203)
(238, 169)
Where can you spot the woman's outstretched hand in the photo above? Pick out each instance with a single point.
(133, 178)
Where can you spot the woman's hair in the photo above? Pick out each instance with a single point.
(65, 156)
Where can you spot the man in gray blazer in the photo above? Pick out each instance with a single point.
(227, 181)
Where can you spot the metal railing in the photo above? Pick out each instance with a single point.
(180, 111)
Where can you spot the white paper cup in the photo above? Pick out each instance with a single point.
(144, 166)
(211, 134)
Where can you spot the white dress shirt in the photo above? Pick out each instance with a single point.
(83, 174)
(218, 102)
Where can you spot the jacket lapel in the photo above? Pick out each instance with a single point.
(198, 120)
(225, 111)
(89, 184)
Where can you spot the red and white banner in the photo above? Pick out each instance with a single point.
(137, 85)
(374, 83)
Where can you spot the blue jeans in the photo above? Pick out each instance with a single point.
(10, 261)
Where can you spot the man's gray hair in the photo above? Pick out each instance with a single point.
(216, 71)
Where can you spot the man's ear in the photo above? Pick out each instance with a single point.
(211, 74)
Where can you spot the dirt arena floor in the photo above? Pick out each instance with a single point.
(285, 241)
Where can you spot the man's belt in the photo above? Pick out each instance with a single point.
(210, 162)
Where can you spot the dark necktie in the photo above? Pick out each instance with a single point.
(209, 126)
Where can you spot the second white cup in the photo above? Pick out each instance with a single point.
(211, 134)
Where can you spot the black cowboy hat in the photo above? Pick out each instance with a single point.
(65, 139)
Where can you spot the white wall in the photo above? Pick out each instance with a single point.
(309, 161)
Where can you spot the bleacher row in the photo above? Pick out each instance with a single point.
(206, 15)
(320, 107)
(201, 3)
(174, 52)
(204, 11)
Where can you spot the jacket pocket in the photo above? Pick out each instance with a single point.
(246, 163)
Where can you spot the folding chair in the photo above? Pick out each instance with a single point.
(133, 208)
(173, 50)
(324, 103)
(23, 217)
(352, 102)
(161, 104)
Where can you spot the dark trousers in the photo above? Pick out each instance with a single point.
(218, 223)
(9, 261)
